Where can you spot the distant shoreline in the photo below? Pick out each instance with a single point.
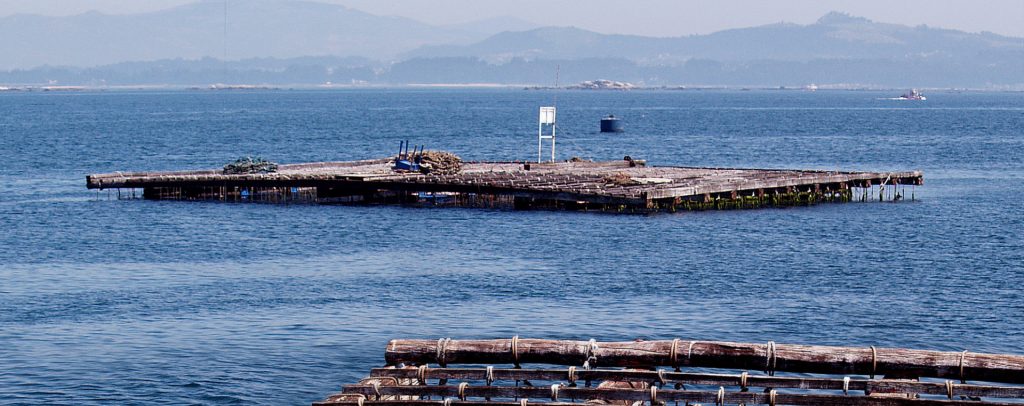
(468, 86)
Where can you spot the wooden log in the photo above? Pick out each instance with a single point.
(563, 393)
(729, 380)
(716, 354)
(858, 401)
(376, 382)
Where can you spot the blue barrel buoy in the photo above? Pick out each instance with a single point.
(611, 124)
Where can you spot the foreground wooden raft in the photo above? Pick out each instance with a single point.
(605, 186)
(680, 372)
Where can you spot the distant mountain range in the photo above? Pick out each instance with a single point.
(255, 28)
(836, 35)
(294, 42)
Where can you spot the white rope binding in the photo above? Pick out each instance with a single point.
(769, 362)
(874, 361)
(376, 388)
(462, 390)
(591, 354)
(673, 356)
(963, 379)
(442, 351)
(421, 374)
(515, 351)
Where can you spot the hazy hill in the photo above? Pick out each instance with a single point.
(835, 35)
(838, 48)
(490, 26)
(256, 28)
(295, 43)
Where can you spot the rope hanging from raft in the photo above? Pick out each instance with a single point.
(442, 354)
(442, 351)
(689, 353)
(421, 374)
(514, 348)
(673, 356)
(591, 354)
(963, 379)
(572, 376)
(515, 351)
(462, 390)
(846, 385)
(874, 361)
(769, 362)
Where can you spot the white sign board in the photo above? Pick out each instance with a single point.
(547, 115)
(547, 118)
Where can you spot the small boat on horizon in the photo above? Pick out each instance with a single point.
(913, 94)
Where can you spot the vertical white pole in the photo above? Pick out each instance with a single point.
(540, 140)
(553, 126)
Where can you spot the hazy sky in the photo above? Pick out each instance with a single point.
(643, 17)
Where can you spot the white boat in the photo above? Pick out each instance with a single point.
(913, 94)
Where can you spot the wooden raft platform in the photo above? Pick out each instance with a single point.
(612, 185)
(420, 372)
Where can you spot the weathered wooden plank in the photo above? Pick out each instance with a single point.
(563, 393)
(790, 399)
(715, 354)
(670, 377)
(798, 179)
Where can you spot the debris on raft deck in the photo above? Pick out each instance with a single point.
(420, 372)
(250, 165)
(615, 186)
(426, 162)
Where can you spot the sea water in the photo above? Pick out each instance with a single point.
(107, 301)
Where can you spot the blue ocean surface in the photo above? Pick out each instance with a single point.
(106, 301)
